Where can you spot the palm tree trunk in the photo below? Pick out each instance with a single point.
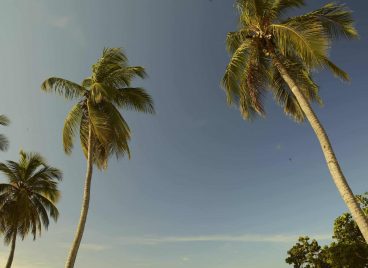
(84, 212)
(332, 163)
(12, 250)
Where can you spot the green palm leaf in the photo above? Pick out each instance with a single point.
(307, 40)
(63, 87)
(336, 20)
(134, 99)
(72, 121)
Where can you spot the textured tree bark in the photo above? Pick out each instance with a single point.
(85, 205)
(12, 250)
(332, 163)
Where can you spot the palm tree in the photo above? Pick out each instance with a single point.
(4, 143)
(28, 199)
(270, 52)
(102, 129)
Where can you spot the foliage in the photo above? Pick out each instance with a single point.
(4, 143)
(347, 250)
(29, 197)
(98, 99)
(300, 43)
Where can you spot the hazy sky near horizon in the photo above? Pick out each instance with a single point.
(203, 188)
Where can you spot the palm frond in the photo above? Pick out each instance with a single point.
(285, 98)
(4, 120)
(4, 143)
(49, 206)
(235, 67)
(280, 6)
(83, 133)
(63, 87)
(235, 39)
(99, 121)
(253, 82)
(253, 11)
(307, 40)
(71, 123)
(9, 173)
(248, 10)
(121, 131)
(334, 69)
(336, 19)
(112, 59)
(134, 99)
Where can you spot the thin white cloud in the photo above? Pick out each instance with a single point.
(60, 22)
(246, 238)
(87, 246)
(93, 247)
(185, 259)
(279, 147)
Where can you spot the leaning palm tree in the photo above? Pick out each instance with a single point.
(102, 129)
(4, 143)
(270, 52)
(28, 199)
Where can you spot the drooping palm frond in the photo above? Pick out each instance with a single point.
(111, 131)
(4, 120)
(134, 99)
(253, 83)
(63, 87)
(4, 142)
(282, 93)
(100, 122)
(230, 81)
(334, 69)
(121, 133)
(71, 124)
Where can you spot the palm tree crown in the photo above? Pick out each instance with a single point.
(300, 43)
(29, 197)
(99, 98)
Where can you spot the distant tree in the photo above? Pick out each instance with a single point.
(28, 199)
(270, 52)
(306, 254)
(348, 249)
(96, 117)
(4, 143)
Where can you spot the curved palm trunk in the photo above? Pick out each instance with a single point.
(332, 163)
(84, 212)
(12, 250)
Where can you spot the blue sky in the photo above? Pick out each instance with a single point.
(204, 188)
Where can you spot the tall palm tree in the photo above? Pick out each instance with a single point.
(270, 52)
(102, 129)
(4, 143)
(28, 199)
